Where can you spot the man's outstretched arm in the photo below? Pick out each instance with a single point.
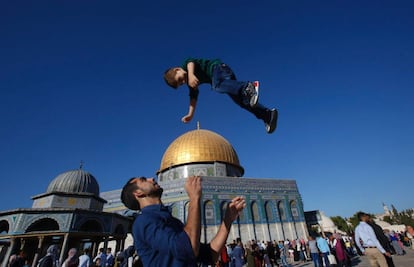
(193, 225)
(236, 205)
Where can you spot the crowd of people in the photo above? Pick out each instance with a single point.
(73, 259)
(332, 249)
(286, 252)
(252, 253)
(162, 240)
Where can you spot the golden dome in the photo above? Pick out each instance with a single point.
(199, 146)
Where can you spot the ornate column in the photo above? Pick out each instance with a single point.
(9, 250)
(39, 248)
(64, 249)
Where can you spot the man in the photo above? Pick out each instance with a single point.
(324, 248)
(101, 256)
(19, 260)
(162, 240)
(110, 259)
(382, 238)
(410, 235)
(368, 243)
(84, 260)
(238, 254)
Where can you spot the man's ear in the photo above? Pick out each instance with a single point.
(138, 194)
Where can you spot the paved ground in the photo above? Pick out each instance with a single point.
(406, 260)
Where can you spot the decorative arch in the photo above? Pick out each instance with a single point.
(270, 218)
(282, 217)
(186, 205)
(91, 226)
(4, 227)
(223, 207)
(119, 229)
(45, 224)
(294, 210)
(269, 208)
(255, 212)
(281, 211)
(209, 214)
(174, 210)
(242, 216)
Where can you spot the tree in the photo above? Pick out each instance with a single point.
(387, 219)
(405, 217)
(354, 220)
(341, 224)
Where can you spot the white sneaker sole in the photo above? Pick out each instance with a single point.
(255, 99)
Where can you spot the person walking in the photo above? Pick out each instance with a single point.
(368, 243)
(314, 251)
(382, 238)
(84, 259)
(324, 249)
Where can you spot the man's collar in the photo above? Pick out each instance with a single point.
(154, 207)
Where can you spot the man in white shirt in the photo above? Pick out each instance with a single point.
(84, 260)
(368, 243)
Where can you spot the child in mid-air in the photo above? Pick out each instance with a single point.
(195, 71)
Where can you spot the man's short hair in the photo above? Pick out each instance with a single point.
(361, 214)
(127, 195)
(169, 78)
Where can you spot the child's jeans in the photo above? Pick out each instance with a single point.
(224, 80)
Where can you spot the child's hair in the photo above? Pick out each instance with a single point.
(169, 78)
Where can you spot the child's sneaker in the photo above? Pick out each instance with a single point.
(272, 123)
(251, 93)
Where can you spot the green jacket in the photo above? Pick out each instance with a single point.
(203, 68)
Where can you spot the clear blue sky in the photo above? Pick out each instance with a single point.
(82, 80)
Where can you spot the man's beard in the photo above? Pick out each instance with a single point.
(157, 192)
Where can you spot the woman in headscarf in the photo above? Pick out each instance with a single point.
(72, 260)
(338, 246)
(52, 258)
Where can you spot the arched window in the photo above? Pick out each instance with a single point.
(209, 212)
(294, 210)
(255, 212)
(4, 227)
(281, 211)
(45, 224)
(242, 216)
(174, 210)
(269, 211)
(91, 226)
(186, 205)
(223, 207)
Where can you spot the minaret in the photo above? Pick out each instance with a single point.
(386, 210)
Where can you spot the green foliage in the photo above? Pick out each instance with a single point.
(341, 224)
(354, 219)
(405, 217)
(387, 219)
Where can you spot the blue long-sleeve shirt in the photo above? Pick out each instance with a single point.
(322, 245)
(160, 239)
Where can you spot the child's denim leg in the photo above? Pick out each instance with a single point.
(224, 81)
